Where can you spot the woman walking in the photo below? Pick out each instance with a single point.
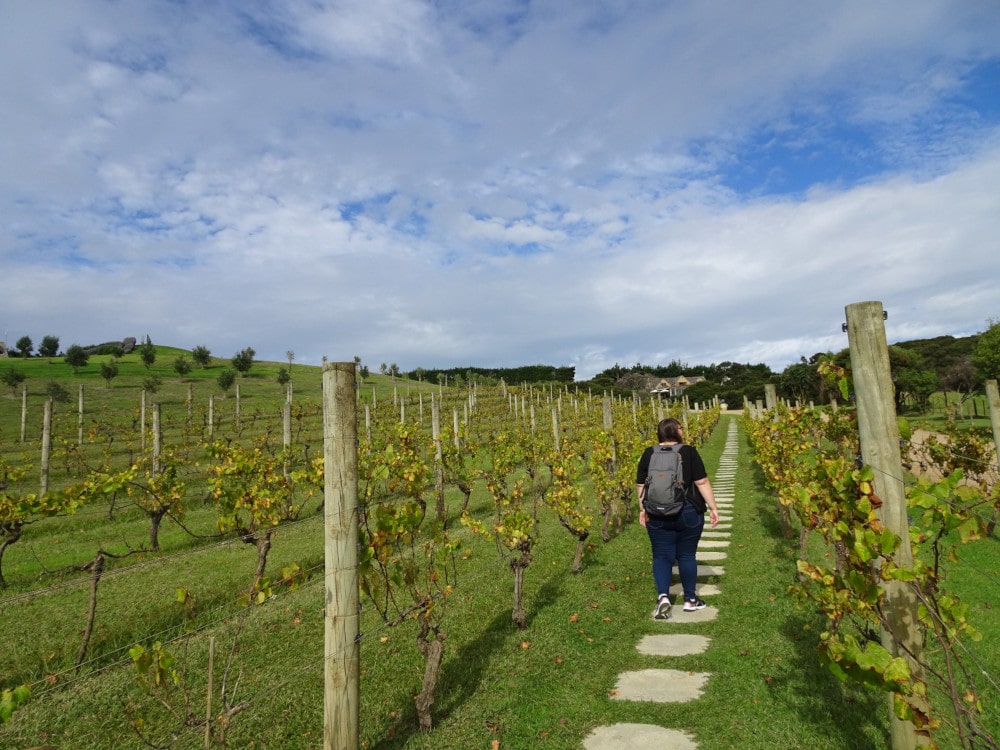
(677, 537)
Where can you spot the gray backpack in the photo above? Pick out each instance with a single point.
(665, 495)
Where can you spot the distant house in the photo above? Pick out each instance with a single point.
(673, 387)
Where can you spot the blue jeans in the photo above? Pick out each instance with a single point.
(676, 539)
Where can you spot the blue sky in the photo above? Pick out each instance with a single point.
(490, 183)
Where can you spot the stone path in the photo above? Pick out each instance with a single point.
(669, 685)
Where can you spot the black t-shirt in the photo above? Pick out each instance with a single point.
(694, 467)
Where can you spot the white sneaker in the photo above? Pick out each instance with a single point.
(662, 611)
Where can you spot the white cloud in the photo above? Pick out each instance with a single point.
(499, 183)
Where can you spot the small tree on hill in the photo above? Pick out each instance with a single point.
(201, 356)
(12, 378)
(77, 357)
(49, 346)
(147, 352)
(283, 376)
(57, 392)
(25, 346)
(182, 365)
(109, 371)
(226, 379)
(243, 360)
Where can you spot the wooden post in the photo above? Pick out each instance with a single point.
(442, 512)
(157, 438)
(43, 485)
(286, 424)
(286, 434)
(341, 664)
(555, 429)
(770, 395)
(24, 411)
(993, 404)
(79, 416)
(142, 419)
(993, 400)
(211, 416)
(211, 688)
(879, 435)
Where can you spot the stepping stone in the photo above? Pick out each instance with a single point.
(713, 543)
(660, 685)
(638, 737)
(711, 556)
(677, 644)
(704, 589)
(679, 617)
(710, 570)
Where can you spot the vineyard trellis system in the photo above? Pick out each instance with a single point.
(111, 481)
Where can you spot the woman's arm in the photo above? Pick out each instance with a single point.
(708, 494)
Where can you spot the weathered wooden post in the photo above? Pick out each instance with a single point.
(43, 485)
(341, 663)
(24, 411)
(79, 416)
(879, 435)
(993, 402)
(993, 399)
(770, 396)
(157, 439)
(286, 432)
(442, 511)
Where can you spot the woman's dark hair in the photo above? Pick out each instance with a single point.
(669, 429)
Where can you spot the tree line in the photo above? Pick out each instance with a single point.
(920, 368)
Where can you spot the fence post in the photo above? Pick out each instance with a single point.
(79, 416)
(993, 399)
(442, 511)
(341, 663)
(993, 404)
(879, 433)
(43, 486)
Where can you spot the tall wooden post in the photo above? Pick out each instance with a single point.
(24, 411)
(879, 435)
(442, 511)
(341, 664)
(993, 403)
(770, 395)
(157, 438)
(43, 485)
(993, 399)
(79, 416)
